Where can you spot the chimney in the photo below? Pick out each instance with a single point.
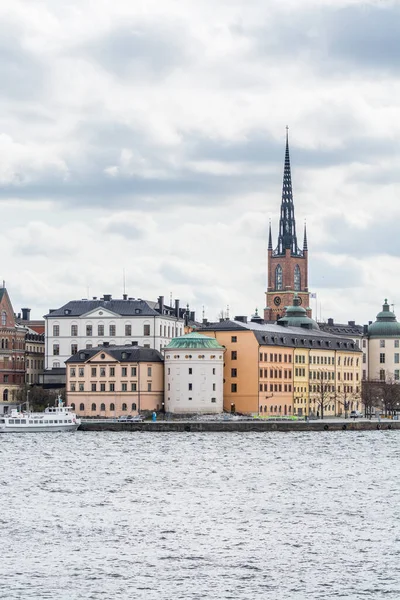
(241, 319)
(94, 297)
(205, 322)
(352, 323)
(192, 315)
(107, 297)
(26, 314)
(125, 296)
(134, 343)
(330, 321)
(177, 309)
(161, 305)
(365, 329)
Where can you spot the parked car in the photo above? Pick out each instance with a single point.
(356, 414)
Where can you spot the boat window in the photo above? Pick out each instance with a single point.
(69, 420)
(45, 422)
(17, 421)
(11, 421)
(23, 421)
(2, 421)
(35, 422)
(30, 422)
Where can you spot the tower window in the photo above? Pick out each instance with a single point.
(297, 278)
(278, 278)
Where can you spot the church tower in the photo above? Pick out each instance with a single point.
(287, 264)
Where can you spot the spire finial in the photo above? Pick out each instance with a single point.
(287, 239)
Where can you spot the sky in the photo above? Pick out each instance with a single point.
(143, 142)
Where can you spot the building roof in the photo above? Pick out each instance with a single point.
(2, 292)
(119, 353)
(296, 316)
(292, 337)
(129, 307)
(386, 324)
(194, 340)
(346, 329)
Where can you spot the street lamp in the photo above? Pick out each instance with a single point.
(163, 409)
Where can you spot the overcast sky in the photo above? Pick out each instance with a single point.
(148, 136)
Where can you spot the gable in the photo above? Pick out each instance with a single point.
(6, 307)
(100, 313)
(97, 358)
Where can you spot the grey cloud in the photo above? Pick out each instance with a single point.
(141, 49)
(326, 275)
(128, 230)
(21, 74)
(178, 275)
(381, 237)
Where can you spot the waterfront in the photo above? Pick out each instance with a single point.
(105, 515)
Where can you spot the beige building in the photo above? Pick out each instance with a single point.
(34, 356)
(114, 381)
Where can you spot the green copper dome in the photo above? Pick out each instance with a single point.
(296, 316)
(194, 340)
(386, 324)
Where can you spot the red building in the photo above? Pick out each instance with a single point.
(287, 263)
(12, 349)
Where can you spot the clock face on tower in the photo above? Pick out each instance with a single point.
(277, 301)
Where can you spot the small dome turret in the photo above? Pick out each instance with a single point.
(296, 316)
(386, 324)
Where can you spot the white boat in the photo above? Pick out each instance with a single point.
(54, 418)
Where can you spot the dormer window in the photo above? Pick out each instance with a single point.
(123, 355)
(82, 355)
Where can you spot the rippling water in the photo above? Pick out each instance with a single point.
(176, 516)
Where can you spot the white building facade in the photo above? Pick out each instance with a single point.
(384, 346)
(194, 372)
(85, 324)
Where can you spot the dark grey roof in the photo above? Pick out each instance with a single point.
(342, 329)
(292, 337)
(76, 308)
(132, 354)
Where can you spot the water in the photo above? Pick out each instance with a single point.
(190, 516)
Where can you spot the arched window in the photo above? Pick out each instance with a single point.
(297, 278)
(278, 278)
(124, 407)
(134, 406)
(93, 406)
(112, 406)
(4, 318)
(81, 407)
(103, 407)
(6, 343)
(260, 408)
(5, 395)
(265, 409)
(73, 406)
(382, 375)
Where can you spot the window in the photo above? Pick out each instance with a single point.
(112, 371)
(190, 386)
(134, 387)
(81, 371)
(94, 371)
(234, 355)
(81, 407)
(93, 407)
(72, 372)
(112, 330)
(134, 406)
(146, 330)
(128, 330)
(89, 330)
(364, 358)
(100, 330)
(112, 387)
(214, 387)
(102, 387)
(74, 330)
(88, 346)
(234, 338)
(149, 386)
(133, 371)
(124, 371)
(72, 387)
(396, 358)
(396, 374)
(213, 399)
(56, 349)
(214, 371)
(124, 407)
(102, 371)
(190, 371)
(382, 375)
(234, 387)
(233, 372)
(74, 348)
(93, 387)
(148, 371)
(81, 387)
(297, 278)
(278, 278)
(102, 407)
(124, 387)
(382, 358)
(56, 329)
(382, 343)
(396, 343)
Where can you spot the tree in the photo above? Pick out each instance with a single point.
(321, 392)
(371, 394)
(38, 397)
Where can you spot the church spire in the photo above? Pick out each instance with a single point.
(287, 239)
(305, 245)
(270, 237)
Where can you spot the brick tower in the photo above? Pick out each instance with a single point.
(287, 264)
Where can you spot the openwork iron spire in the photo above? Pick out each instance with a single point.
(287, 239)
(305, 244)
(270, 237)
